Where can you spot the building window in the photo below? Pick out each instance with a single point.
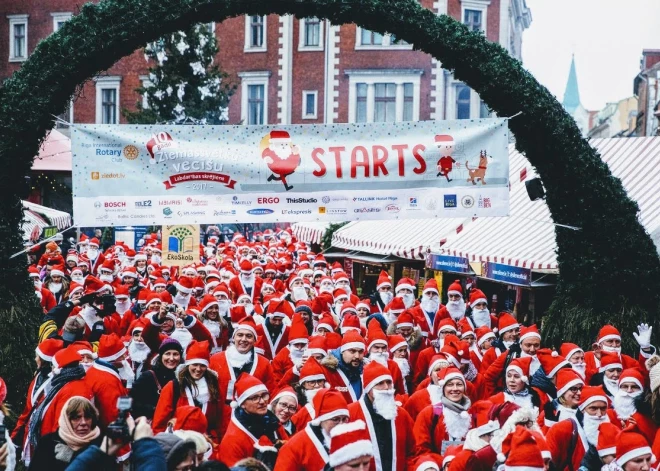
(383, 95)
(370, 38)
(255, 33)
(385, 103)
(472, 19)
(310, 99)
(18, 37)
(312, 32)
(367, 39)
(107, 99)
(254, 97)
(361, 105)
(462, 102)
(59, 19)
(408, 97)
(484, 111)
(66, 117)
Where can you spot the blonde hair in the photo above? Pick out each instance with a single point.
(201, 443)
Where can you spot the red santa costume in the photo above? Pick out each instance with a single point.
(385, 297)
(624, 404)
(276, 308)
(376, 336)
(96, 258)
(281, 157)
(445, 328)
(246, 283)
(231, 363)
(401, 425)
(609, 332)
(198, 396)
(310, 371)
(473, 442)
(291, 355)
(430, 303)
(334, 375)
(349, 442)
(431, 394)
(217, 327)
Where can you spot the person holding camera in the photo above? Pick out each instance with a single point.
(78, 429)
(162, 324)
(195, 385)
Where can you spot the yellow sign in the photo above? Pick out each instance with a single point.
(180, 245)
(438, 279)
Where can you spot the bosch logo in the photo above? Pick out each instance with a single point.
(114, 204)
(268, 200)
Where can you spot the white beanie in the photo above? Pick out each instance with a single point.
(653, 367)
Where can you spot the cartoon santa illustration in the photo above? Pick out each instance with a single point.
(445, 144)
(281, 156)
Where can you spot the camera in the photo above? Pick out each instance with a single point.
(118, 430)
(3, 435)
(171, 308)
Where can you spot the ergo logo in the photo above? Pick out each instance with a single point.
(268, 200)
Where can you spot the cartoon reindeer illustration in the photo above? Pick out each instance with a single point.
(478, 173)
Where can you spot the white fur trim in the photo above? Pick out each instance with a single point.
(522, 468)
(445, 328)
(330, 415)
(447, 459)
(569, 385)
(384, 283)
(607, 451)
(592, 400)
(630, 379)
(182, 289)
(509, 327)
(129, 274)
(377, 342)
(264, 448)
(238, 327)
(611, 366)
(349, 345)
(318, 377)
(115, 356)
(485, 337)
(377, 380)
(477, 301)
(350, 452)
(359, 305)
(436, 363)
(251, 392)
(328, 327)
(197, 361)
(404, 286)
(43, 356)
(348, 427)
(632, 454)
(56, 272)
(529, 335)
(453, 360)
(573, 352)
(488, 427)
(285, 393)
(316, 351)
(430, 290)
(554, 371)
(609, 337)
(398, 346)
(428, 465)
(211, 304)
(404, 324)
(451, 291)
(451, 376)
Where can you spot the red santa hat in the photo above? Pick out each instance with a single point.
(190, 418)
(326, 322)
(631, 444)
(551, 361)
(364, 304)
(278, 136)
(185, 285)
(632, 375)
(609, 361)
(607, 433)
(75, 287)
(84, 348)
(346, 307)
(93, 285)
(153, 298)
(317, 346)
(482, 423)
(246, 267)
(349, 442)
(246, 387)
(452, 353)
(608, 332)
(129, 271)
(426, 462)
(350, 340)
(450, 454)
(140, 257)
(567, 350)
(477, 296)
(522, 451)
(374, 373)
(121, 292)
(465, 328)
(395, 342)
(48, 348)
(350, 322)
(208, 301)
(567, 378)
(110, 347)
(455, 288)
(529, 332)
(339, 295)
(375, 334)
(396, 306)
(447, 325)
(448, 374)
(405, 283)
(442, 140)
(591, 394)
(431, 286)
(197, 353)
(439, 360)
(405, 320)
(286, 391)
(542, 443)
(521, 366)
(247, 323)
(65, 357)
(57, 270)
(280, 308)
(483, 333)
(93, 242)
(506, 322)
(383, 280)
(298, 331)
(328, 404)
(311, 371)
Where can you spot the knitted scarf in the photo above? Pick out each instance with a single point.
(69, 436)
(68, 374)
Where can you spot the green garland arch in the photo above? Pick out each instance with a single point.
(609, 268)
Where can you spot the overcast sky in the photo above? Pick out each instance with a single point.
(606, 36)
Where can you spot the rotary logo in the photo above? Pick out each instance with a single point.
(131, 152)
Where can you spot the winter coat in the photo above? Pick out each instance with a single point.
(146, 455)
(49, 447)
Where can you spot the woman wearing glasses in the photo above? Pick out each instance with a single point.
(569, 392)
(284, 405)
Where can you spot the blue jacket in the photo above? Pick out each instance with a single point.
(146, 455)
(353, 374)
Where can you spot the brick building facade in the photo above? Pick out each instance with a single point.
(290, 70)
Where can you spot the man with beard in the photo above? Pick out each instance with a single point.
(377, 351)
(390, 427)
(275, 332)
(405, 326)
(427, 310)
(405, 289)
(183, 293)
(455, 307)
(246, 283)
(609, 340)
(108, 376)
(309, 449)
(292, 354)
(608, 373)
(240, 358)
(139, 352)
(628, 401)
(399, 351)
(569, 453)
(343, 366)
(480, 315)
(383, 295)
(95, 258)
(56, 283)
(484, 340)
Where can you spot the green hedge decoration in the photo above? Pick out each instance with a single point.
(609, 269)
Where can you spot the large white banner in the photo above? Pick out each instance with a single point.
(153, 175)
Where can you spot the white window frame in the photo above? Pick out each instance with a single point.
(17, 20)
(387, 43)
(452, 110)
(102, 83)
(480, 5)
(374, 76)
(248, 47)
(146, 83)
(301, 36)
(305, 93)
(253, 78)
(60, 17)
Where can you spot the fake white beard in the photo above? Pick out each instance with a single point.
(481, 317)
(391, 317)
(612, 385)
(522, 401)
(404, 366)
(457, 425)
(363, 321)
(86, 366)
(138, 351)
(385, 404)
(534, 365)
(213, 327)
(380, 357)
(310, 393)
(508, 344)
(248, 281)
(237, 359)
(299, 293)
(624, 404)
(386, 297)
(183, 336)
(55, 287)
(591, 424)
(249, 308)
(326, 439)
(106, 278)
(408, 300)
(456, 309)
(92, 254)
(181, 300)
(430, 304)
(122, 306)
(580, 368)
(325, 289)
(223, 306)
(202, 391)
(126, 373)
(435, 393)
(605, 348)
(78, 279)
(38, 284)
(156, 259)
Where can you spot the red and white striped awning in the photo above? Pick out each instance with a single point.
(527, 237)
(37, 217)
(310, 232)
(410, 238)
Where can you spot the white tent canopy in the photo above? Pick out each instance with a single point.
(37, 217)
(310, 232)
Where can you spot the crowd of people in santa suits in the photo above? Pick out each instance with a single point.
(263, 356)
